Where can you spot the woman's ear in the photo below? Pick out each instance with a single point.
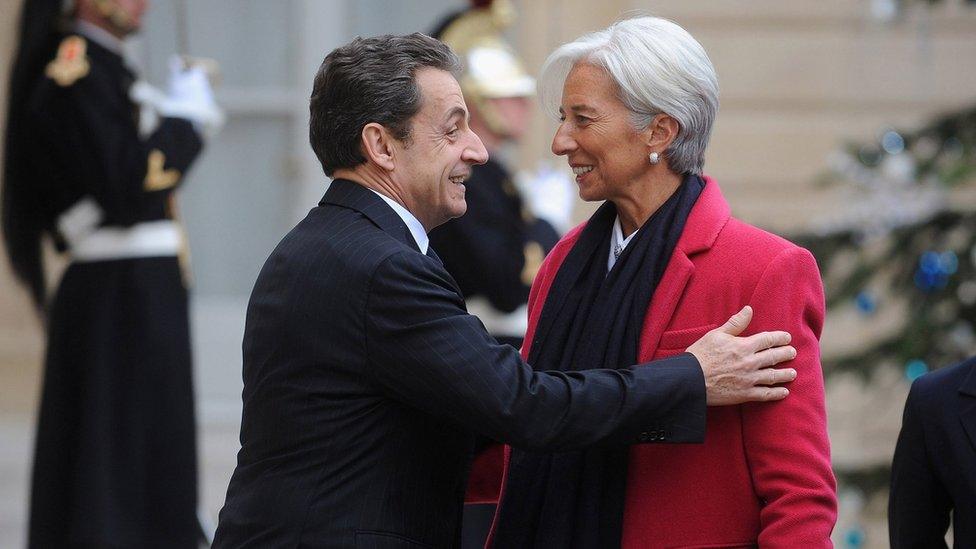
(377, 146)
(660, 133)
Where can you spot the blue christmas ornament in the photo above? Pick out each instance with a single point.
(854, 537)
(892, 142)
(929, 281)
(934, 269)
(930, 262)
(866, 303)
(915, 369)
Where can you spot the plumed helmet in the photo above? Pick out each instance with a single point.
(490, 66)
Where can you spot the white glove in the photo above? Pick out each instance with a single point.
(148, 98)
(190, 96)
(548, 193)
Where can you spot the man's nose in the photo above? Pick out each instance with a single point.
(562, 142)
(475, 152)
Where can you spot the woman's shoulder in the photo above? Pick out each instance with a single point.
(753, 254)
(754, 238)
(757, 244)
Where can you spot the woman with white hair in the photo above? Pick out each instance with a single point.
(659, 264)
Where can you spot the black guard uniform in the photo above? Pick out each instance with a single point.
(115, 462)
(494, 251)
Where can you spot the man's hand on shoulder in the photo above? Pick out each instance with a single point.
(739, 369)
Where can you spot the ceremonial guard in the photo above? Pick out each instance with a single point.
(495, 249)
(92, 161)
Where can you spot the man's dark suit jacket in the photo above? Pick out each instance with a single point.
(365, 382)
(934, 470)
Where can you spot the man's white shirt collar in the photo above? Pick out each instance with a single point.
(416, 228)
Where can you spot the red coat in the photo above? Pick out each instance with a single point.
(763, 474)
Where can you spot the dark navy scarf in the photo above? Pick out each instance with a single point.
(591, 319)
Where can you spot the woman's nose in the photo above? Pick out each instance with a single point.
(562, 142)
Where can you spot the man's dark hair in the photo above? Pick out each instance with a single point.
(370, 80)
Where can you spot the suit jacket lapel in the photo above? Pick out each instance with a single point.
(349, 194)
(967, 411)
(707, 218)
(352, 195)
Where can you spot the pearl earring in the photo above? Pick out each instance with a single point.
(654, 157)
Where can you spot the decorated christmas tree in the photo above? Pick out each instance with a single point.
(900, 253)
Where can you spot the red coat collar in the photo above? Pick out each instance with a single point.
(705, 222)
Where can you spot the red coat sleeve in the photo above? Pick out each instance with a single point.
(786, 442)
(485, 479)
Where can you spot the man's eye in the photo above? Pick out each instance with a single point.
(583, 120)
(454, 132)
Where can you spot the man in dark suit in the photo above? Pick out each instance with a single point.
(933, 473)
(364, 378)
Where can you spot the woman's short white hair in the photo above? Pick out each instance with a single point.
(658, 68)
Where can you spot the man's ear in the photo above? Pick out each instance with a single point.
(660, 133)
(378, 146)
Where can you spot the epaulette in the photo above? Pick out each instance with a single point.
(71, 63)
